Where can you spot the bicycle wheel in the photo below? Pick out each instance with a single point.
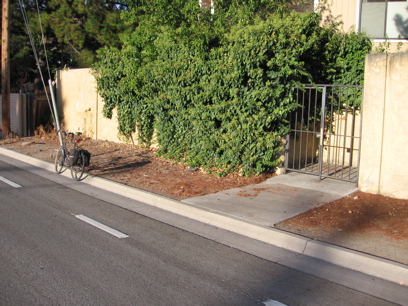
(77, 169)
(59, 160)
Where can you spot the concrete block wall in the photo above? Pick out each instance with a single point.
(82, 108)
(384, 147)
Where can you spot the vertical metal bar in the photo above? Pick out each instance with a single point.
(307, 134)
(301, 132)
(360, 135)
(353, 126)
(322, 124)
(314, 130)
(287, 145)
(287, 148)
(332, 133)
(336, 133)
(345, 133)
(325, 128)
(295, 134)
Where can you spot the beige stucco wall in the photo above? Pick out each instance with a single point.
(81, 107)
(344, 10)
(383, 167)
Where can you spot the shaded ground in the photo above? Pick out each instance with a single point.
(137, 167)
(348, 221)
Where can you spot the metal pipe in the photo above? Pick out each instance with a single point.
(55, 111)
(322, 118)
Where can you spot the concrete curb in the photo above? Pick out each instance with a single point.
(354, 260)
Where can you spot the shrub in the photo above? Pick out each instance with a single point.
(218, 93)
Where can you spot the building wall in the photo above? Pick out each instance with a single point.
(81, 107)
(385, 125)
(345, 10)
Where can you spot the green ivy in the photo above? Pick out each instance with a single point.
(216, 91)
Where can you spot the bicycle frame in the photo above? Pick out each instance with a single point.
(63, 158)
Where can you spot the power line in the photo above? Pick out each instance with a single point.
(43, 40)
(31, 38)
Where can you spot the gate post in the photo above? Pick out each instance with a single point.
(321, 143)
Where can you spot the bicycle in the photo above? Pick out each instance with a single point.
(74, 159)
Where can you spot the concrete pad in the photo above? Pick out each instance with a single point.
(306, 181)
(275, 200)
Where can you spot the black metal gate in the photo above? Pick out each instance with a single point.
(325, 132)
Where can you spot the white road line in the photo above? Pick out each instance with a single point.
(10, 182)
(102, 226)
(273, 303)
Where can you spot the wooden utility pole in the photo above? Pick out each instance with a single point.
(5, 69)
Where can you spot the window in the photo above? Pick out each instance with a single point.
(385, 19)
(207, 4)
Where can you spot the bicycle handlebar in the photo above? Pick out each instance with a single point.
(70, 134)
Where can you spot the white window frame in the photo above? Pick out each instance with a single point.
(379, 40)
(359, 4)
(212, 6)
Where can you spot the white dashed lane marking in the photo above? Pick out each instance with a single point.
(15, 185)
(102, 226)
(274, 303)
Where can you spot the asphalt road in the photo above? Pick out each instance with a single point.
(51, 256)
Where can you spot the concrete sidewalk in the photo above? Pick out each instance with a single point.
(253, 210)
(277, 199)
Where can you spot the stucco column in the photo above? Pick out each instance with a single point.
(384, 145)
(394, 165)
(373, 122)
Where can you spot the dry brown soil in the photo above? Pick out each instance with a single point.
(137, 167)
(370, 215)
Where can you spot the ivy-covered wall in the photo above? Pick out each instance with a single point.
(217, 90)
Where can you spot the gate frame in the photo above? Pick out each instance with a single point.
(323, 134)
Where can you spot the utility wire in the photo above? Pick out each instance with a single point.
(30, 35)
(43, 40)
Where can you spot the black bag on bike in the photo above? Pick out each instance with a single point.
(87, 157)
(72, 157)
